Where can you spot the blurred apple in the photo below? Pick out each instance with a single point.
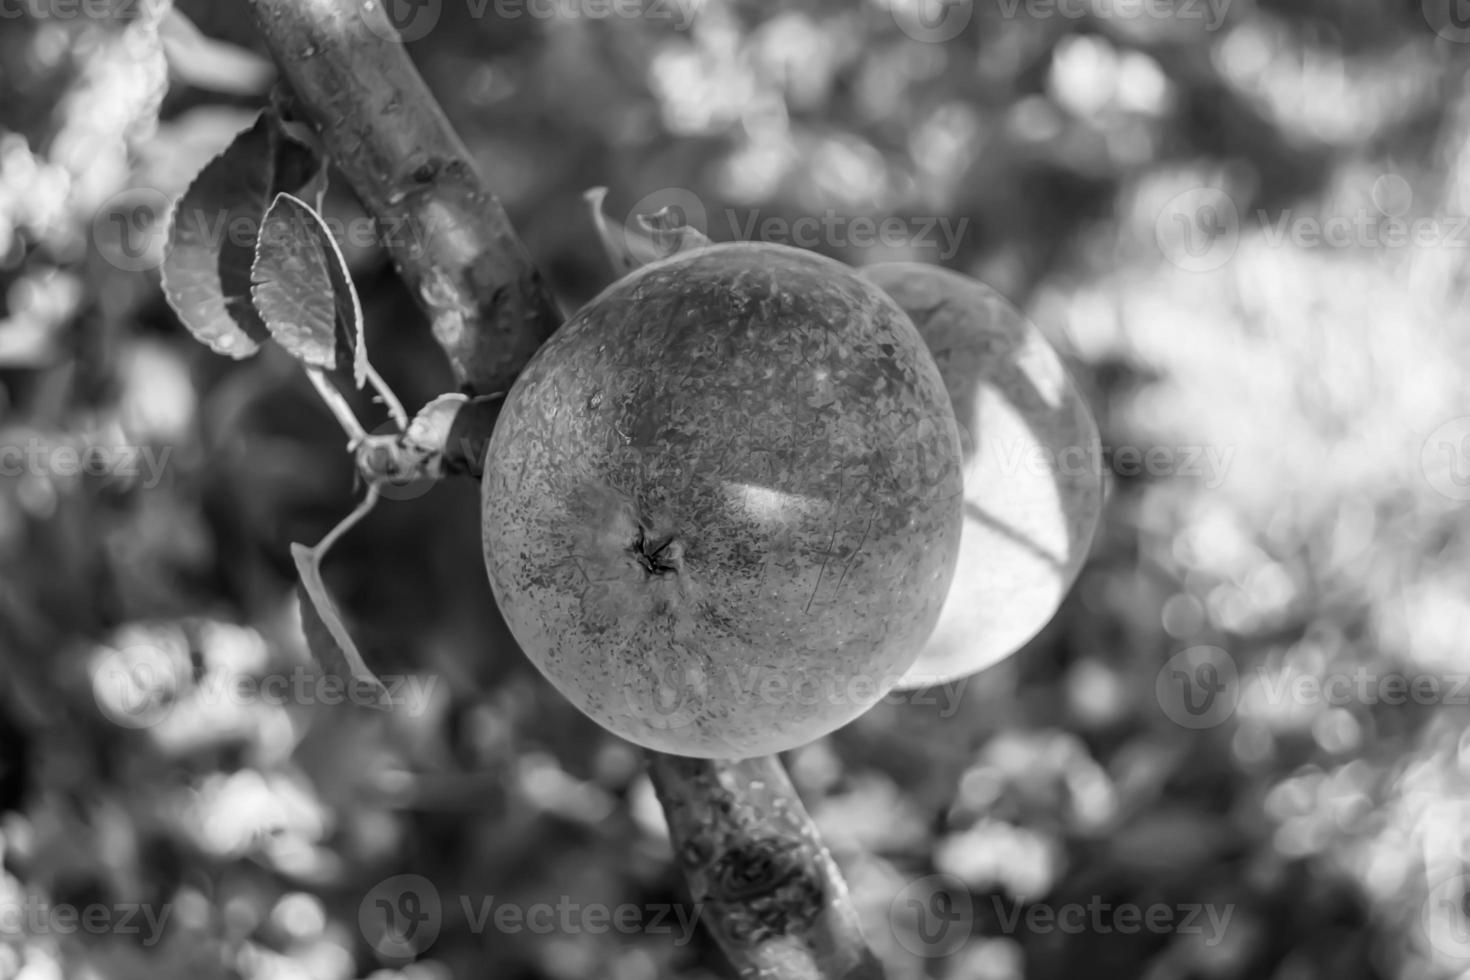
(1032, 468)
(721, 507)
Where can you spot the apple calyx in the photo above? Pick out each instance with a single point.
(658, 556)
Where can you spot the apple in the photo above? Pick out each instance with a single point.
(1032, 468)
(721, 506)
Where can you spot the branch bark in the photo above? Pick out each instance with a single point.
(449, 236)
(765, 884)
(772, 895)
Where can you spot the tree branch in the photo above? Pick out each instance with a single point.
(764, 882)
(773, 897)
(449, 237)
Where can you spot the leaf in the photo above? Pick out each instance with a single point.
(304, 293)
(326, 634)
(667, 233)
(213, 228)
(431, 429)
(658, 235)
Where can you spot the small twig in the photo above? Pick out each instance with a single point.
(338, 405)
(388, 398)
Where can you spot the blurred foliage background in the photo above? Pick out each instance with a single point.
(1124, 173)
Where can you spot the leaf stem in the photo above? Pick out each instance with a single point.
(343, 650)
(388, 398)
(369, 501)
(338, 406)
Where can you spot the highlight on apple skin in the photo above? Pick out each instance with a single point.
(1033, 487)
(722, 505)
